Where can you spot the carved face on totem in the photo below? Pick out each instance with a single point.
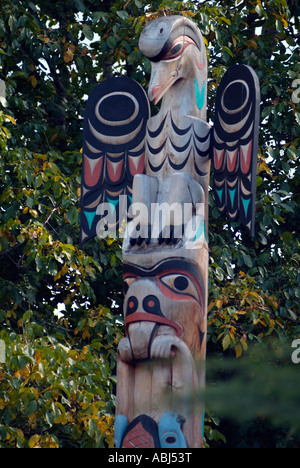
(165, 299)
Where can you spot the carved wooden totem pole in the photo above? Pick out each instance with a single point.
(157, 171)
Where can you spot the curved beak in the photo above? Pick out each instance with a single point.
(161, 80)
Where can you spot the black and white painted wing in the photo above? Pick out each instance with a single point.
(115, 121)
(235, 144)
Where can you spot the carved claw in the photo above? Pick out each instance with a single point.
(174, 235)
(143, 237)
(124, 350)
(164, 347)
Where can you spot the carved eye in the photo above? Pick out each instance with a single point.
(180, 284)
(174, 51)
(177, 48)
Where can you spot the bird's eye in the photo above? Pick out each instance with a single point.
(177, 48)
(174, 51)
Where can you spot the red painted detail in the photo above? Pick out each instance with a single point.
(178, 296)
(218, 158)
(114, 170)
(231, 162)
(145, 317)
(138, 437)
(201, 66)
(187, 40)
(140, 166)
(91, 177)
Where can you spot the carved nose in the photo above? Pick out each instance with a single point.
(150, 304)
(132, 305)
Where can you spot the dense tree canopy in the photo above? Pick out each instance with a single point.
(60, 306)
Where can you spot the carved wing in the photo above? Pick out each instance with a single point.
(235, 144)
(115, 121)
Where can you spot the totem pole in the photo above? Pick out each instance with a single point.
(156, 171)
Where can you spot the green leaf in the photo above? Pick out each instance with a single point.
(72, 215)
(30, 407)
(111, 42)
(122, 14)
(229, 52)
(87, 31)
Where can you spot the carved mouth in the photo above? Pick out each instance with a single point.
(146, 317)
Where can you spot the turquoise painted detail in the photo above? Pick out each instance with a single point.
(220, 193)
(246, 204)
(90, 215)
(113, 204)
(201, 229)
(130, 199)
(232, 195)
(169, 431)
(200, 97)
(120, 426)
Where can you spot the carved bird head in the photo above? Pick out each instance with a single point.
(176, 49)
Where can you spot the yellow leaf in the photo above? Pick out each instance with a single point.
(238, 351)
(33, 213)
(252, 44)
(33, 81)
(43, 157)
(32, 420)
(226, 342)
(37, 357)
(68, 56)
(56, 277)
(33, 441)
(244, 344)
(253, 293)
(86, 334)
(54, 137)
(11, 119)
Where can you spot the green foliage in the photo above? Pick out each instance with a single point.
(255, 398)
(60, 306)
(52, 394)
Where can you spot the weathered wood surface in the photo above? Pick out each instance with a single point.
(161, 165)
